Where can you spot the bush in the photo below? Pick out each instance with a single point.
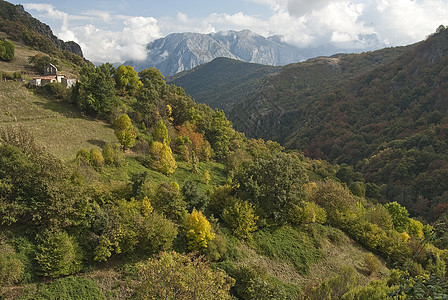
(71, 288)
(83, 157)
(58, 254)
(96, 158)
(372, 263)
(175, 276)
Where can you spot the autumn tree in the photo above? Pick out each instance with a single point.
(163, 159)
(125, 131)
(161, 133)
(198, 231)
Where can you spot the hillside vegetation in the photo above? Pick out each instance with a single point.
(178, 205)
(379, 113)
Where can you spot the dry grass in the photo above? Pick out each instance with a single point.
(55, 125)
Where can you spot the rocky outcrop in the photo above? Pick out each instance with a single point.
(16, 13)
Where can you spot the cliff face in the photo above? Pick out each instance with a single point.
(16, 13)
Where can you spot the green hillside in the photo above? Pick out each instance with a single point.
(123, 187)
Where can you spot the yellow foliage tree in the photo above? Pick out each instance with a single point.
(125, 131)
(198, 231)
(206, 177)
(163, 158)
(146, 207)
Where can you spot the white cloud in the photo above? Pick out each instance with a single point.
(101, 45)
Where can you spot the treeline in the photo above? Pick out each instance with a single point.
(61, 219)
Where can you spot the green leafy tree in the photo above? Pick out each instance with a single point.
(125, 131)
(338, 202)
(171, 275)
(400, 216)
(272, 185)
(161, 133)
(6, 50)
(199, 231)
(241, 218)
(126, 79)
(95, 92)
(168, 200)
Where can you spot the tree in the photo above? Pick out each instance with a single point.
(241, 218)
(163, 159)
(273, 185)
(400, 215)
(168, 201)
(6, 50)
(171, 275)
(126, 79)
(206, 177)
(125, 131)
(161, 133)
(95, 92)
(198, 231)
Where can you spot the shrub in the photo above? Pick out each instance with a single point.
(372, 263)
(171, 275)
(83, 157)
(58, 254)
(96, 158)
(288, 244)
(71, 288)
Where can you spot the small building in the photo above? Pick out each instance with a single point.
(50, 69)
(51, 75)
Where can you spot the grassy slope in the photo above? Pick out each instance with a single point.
(55, 125)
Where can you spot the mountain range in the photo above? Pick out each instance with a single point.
(183, 51)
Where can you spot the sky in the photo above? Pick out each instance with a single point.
(119, 30)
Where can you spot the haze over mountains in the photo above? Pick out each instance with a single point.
(183, 51)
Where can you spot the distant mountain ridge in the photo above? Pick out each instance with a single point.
(222, 81)
(183, 51)
(12, 15)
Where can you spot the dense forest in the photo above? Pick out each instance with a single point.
(182, 206)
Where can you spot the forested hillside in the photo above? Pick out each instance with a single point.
(179, 205)
(221, 82)
(382, 113)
